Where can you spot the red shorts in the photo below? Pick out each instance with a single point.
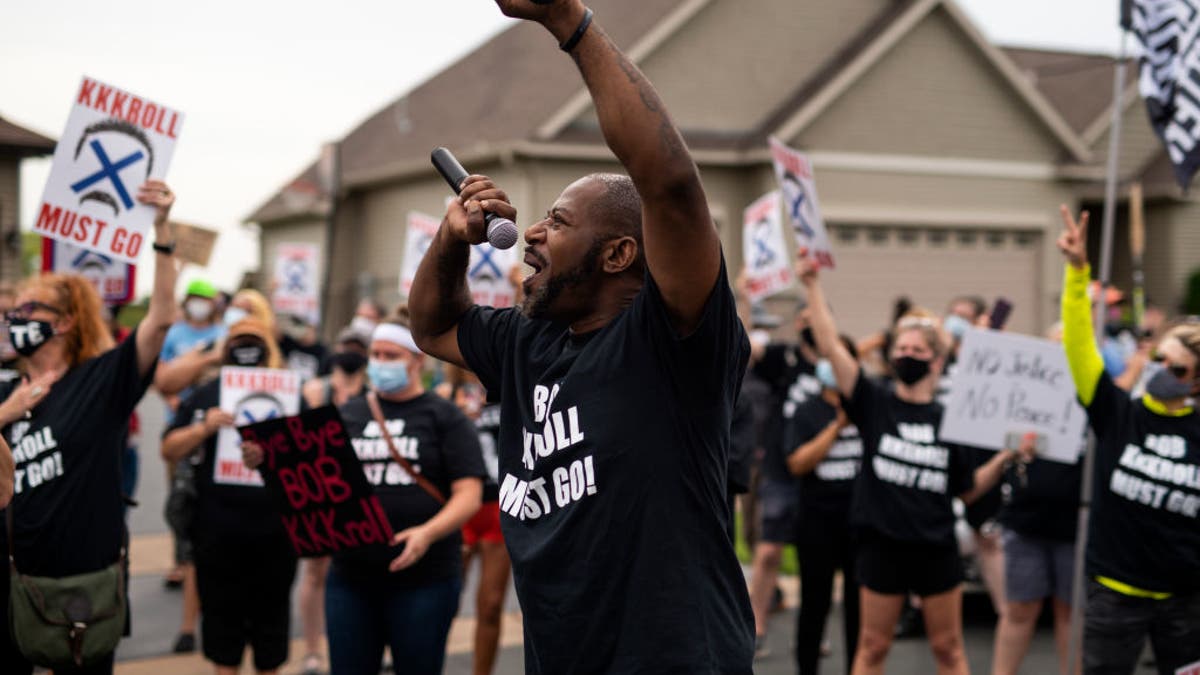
(484, 525)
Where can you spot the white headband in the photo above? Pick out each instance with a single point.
(396, 334)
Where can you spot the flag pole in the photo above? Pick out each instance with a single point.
(1078, 592)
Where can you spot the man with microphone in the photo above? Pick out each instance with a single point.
(617, 378)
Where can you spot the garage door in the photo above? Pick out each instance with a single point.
(875, 264)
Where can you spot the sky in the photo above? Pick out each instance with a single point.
(264, 83)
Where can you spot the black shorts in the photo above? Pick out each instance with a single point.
(893, 567)
(245, 593)
(779, 502)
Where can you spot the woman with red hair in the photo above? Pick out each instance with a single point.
(66, 419)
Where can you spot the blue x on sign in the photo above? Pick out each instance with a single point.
(110, 171)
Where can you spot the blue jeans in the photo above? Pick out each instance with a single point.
(361, 617)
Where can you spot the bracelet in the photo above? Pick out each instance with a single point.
(168, 249)
(578, 34)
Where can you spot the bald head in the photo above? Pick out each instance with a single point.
(617, 211)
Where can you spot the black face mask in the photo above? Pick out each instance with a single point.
(247, 354)
(28, 335)
(348, 362)
(910, 370)
(809, 339)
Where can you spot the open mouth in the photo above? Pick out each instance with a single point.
(536, 261)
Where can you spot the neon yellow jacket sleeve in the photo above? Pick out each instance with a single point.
(1079, 339)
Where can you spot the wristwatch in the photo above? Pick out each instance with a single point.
(168, 249)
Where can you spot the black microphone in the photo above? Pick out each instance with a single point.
(501, 232)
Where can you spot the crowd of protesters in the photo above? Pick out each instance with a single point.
(631, 346)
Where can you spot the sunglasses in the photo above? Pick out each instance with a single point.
(1179, 371)
(26, 309)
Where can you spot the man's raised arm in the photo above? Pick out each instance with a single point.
(439, 295)
(682, 246)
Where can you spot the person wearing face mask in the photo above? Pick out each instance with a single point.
(902, 507)
(244, 561)
(826, 451)
(406, 598)
(199, 324)
(1143, 548)
(67, 420)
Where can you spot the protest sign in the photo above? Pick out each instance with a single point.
(113, 279)
(296, 280)
(114, 142)
(765, 257)
(1013, 383)
(251, 395)
(193, 244)
(487, 270)
(795, 175)
(487, 275)
(317, 483)
(417, 238)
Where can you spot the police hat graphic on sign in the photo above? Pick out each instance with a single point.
(114, 157)
(256, 408)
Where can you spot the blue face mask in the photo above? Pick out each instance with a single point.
(234, 315)
(389, 376)
(956, 326)
(825, 374)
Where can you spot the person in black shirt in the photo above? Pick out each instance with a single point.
(1143, 548)
(244, 562)
(902, 506)
(67, 419)
(1040, 516)
(617, 379)
(374, 596)
(825, 451)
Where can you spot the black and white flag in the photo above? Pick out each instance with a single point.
(1169, 77)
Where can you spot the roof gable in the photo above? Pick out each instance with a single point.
(24, 142)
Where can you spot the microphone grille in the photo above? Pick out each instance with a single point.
(502, 233)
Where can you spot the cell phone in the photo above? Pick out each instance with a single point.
(1000, 312)
(1012, 441)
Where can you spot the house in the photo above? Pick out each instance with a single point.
(16, 143)
(940, 158)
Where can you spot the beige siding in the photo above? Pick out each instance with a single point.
(933, 94)
(1139, 144)
(737, 60)
(10, 181)
(1184, 248)
(875, 264)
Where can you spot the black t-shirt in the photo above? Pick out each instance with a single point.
(613, 455)
(225, 513)
(488, 424)
(792, 380)
(443, 445)
(67, 507)
(909, 478)
(1144, 527)
(742, 443)
(1046, 503)
(987, 506)
(310, 360)
(826, 490)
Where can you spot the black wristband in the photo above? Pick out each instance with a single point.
(578, 34)
(168, 249)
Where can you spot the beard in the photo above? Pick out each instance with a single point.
(537, 304)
